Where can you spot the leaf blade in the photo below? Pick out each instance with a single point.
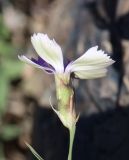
(34, 152)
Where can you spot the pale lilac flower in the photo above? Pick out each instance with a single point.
(92, 64)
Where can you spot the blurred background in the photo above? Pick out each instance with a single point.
(25, 113)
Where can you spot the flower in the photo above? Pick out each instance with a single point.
(92, 64)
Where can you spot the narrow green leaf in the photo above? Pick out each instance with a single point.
(34, 152)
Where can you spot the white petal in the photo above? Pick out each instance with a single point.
(91, 61)
(29, 61)
(48, 50)
(90, 74)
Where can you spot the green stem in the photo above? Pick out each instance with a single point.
(72, 135)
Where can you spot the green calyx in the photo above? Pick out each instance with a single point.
(65, 95)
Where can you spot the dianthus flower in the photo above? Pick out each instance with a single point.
(92, 64)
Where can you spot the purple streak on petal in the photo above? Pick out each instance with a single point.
(43, 63)
(66, 62)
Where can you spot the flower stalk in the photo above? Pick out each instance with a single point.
(72, 135)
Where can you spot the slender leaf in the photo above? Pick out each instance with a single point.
(34, 152)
